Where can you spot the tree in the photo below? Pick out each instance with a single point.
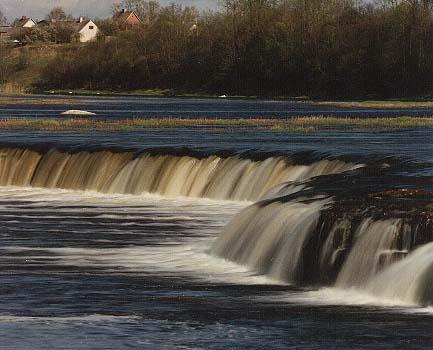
(3, 19)
(107, 27)
(40, 34)
(326, 48)
(57, 14)
(63, 33)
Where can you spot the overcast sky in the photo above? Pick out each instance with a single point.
(92, 8)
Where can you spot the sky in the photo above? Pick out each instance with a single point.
(37, 9)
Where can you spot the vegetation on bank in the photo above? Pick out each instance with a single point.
(138, 93)
(22, 68)
(5, 101)
(302, 124)
(265, 48)
(57, 98)
(318, 48)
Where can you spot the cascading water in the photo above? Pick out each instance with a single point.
(231, 178)
(293, 234)
(367, 242)
(373, 250)
(410, 280)
(270, 239)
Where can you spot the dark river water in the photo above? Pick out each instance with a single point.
(81, 269)
(130, 107)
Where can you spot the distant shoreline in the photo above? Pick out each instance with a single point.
(65, 96)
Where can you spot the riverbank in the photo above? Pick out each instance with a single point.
(171, 93)
(69, 97)
(304, 124)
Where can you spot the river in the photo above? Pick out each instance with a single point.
(200, 238)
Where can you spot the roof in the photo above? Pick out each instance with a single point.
(78, 26)
(22, 21)
(123, 15)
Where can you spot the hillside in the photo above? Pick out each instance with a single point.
(24, 66)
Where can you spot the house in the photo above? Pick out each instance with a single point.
(21, 27)
(86, 30)
(24, 22)
(44, 23)
(127, 18)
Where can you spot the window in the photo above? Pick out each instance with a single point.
(91, 27)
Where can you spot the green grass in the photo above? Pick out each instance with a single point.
(304, 124)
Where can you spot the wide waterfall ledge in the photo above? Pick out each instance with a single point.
(216, 177)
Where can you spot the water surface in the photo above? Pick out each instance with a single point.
(86, 270)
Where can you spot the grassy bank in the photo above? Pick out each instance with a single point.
(63, 97)
(305, 124)
(14, 101)
(23, 66)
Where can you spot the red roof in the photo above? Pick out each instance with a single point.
(124, 15)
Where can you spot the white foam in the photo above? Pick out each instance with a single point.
(350, 298)
(186, 258)
(77, 112)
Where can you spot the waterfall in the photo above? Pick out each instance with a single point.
(231, 178)
(305, 241)
(293, 233)
(271, 239)
(409, 280)
(372, 251)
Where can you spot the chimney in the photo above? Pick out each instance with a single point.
(23, 18)
(81, 20)
(123, 11)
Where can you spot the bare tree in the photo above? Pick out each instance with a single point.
(2, 17)
(58, 14)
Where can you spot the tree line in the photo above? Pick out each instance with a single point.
(319, 48)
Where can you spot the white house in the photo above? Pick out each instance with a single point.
(24, 22)
(87, 30)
